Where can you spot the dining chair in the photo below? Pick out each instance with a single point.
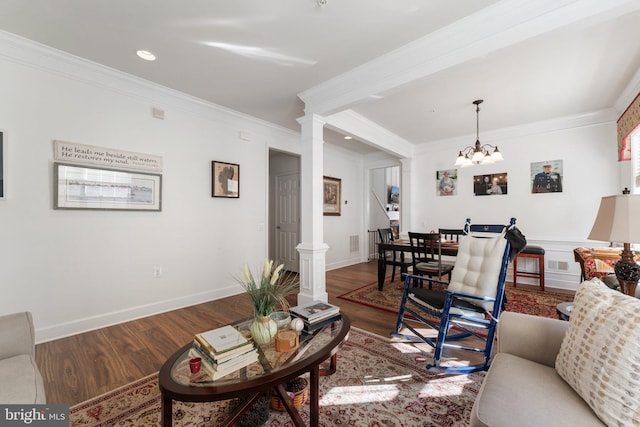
(426, 256)
(451, 234)
(390, 257)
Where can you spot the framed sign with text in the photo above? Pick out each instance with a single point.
(84, 187)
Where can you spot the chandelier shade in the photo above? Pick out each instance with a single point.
(479, 154)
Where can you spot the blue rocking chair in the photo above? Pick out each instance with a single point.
(469, 304)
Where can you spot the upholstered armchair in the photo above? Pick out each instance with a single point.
(19, 375)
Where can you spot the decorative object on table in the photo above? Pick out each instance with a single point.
(546, 177)
(315, 311)
(282, 319)
(316, 315)
(296, 325)
(222, 351)
(83, 187)
(194, 364)
(286, 340)
(225, 179)
(298, 391)
(617, 222)
(478, 154)
(266, 295)
(332, 196)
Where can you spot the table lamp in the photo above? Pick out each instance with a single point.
(618, 221)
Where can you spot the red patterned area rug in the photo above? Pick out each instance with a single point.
(377, 383)
(520, 300)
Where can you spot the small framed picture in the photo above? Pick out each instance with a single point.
(332, 194)
(490, 185)
(225, 180)
(447, 182)
(546, 177)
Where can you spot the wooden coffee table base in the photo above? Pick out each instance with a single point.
(314, 398)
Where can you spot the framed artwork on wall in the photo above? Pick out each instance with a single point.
(546, 177)
(225, 180)
(332, 194)
(447, 182)
(84, 187)
(490, 185)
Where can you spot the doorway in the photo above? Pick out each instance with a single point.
(284, 208)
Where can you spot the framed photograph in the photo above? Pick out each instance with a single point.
(546, 177)
(2, 165)
(332, 195)
(490, 185)
(447, 182)
(225, 180)
(394, 194)
(83, 187)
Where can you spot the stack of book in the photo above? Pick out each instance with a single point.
(223, 350)
(316, 315)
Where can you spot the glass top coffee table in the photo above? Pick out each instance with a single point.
(272, 370)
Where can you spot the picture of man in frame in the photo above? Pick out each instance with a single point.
(546, 177)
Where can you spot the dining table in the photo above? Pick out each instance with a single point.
(447, 248)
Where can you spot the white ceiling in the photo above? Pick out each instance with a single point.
(528, 63)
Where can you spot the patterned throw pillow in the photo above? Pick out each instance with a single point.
(600, 354)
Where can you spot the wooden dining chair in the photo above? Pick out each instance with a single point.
(426, 254)
(393, 258)
(451, 234)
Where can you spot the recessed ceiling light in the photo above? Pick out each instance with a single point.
(348, 137)
(146, 55)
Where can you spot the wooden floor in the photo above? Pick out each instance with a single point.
(83, 366)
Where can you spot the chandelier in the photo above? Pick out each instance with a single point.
(478, 154)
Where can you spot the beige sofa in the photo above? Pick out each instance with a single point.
(19, 376)
(548, 372)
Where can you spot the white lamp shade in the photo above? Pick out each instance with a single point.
(477, 156)
(617, 220)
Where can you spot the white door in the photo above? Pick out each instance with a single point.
(287, 222)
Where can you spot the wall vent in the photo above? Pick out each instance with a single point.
(354, 243)
(552, 265)
(563, 265)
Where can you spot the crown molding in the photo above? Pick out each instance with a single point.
(41, 57)
(512, 21)
(608, 115)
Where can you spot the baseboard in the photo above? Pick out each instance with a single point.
(61, 330)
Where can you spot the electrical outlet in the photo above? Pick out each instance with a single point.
(157, 272)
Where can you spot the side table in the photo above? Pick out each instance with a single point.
(564, 310)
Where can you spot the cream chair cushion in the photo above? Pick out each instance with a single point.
(477, 267)
(600, 354)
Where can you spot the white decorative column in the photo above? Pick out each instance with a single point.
(312, 248)
(405, 195)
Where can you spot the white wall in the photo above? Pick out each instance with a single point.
(77, 270)
(348, 166)
(80, 270)
(558, 221)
